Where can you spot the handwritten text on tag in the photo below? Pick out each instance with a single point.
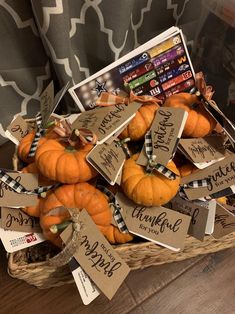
(221, 175)
(157, 224)
(16, 220)
(104, 122)
(9, 198)
(97, 257)
(224, 222)
(107, 160)
(166, 128)
(18, 128)
(198, 213)
(203, 149)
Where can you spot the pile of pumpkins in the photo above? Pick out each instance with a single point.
(58, 161)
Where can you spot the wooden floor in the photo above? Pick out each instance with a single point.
(199, 285)
(202, 285)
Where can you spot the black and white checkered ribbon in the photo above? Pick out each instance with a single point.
(225, 192)
(197, 184)
(19, 188)
(37, 136)
(152, 165)
(123, 145)
(117, 209)
(193, 185)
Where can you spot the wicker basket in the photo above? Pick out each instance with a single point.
(137, 255)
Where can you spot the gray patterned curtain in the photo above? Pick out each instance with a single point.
(68, 40)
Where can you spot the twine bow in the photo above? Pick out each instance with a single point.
(106, 99)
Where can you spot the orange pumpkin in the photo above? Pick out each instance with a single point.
(26, 142)
(113, 235)
(32, 210)
(199, 122)
(42, 181)
(187, 169)
(25, 145)
(141, 123)
(80, 195)
(149, 189)
(63, 163)
(222, 200)
(32, 168)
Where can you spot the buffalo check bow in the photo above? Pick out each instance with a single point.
(117, 209)
(152, 165)
(19, 188)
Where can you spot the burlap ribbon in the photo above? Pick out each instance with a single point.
(106, 99)
(205, 90)
(64, 129)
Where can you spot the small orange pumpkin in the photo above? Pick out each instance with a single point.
(25, 145)
(64, 163)
(187, 169)
(222, 200)
(32, 210)
(113, 235)
(32, 168)
(26, 142)
(199, 122)
(141, 123)
(149, 189)
(80, 195)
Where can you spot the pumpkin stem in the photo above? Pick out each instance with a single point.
(55, 228)
(70, 149)
(50, 123)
